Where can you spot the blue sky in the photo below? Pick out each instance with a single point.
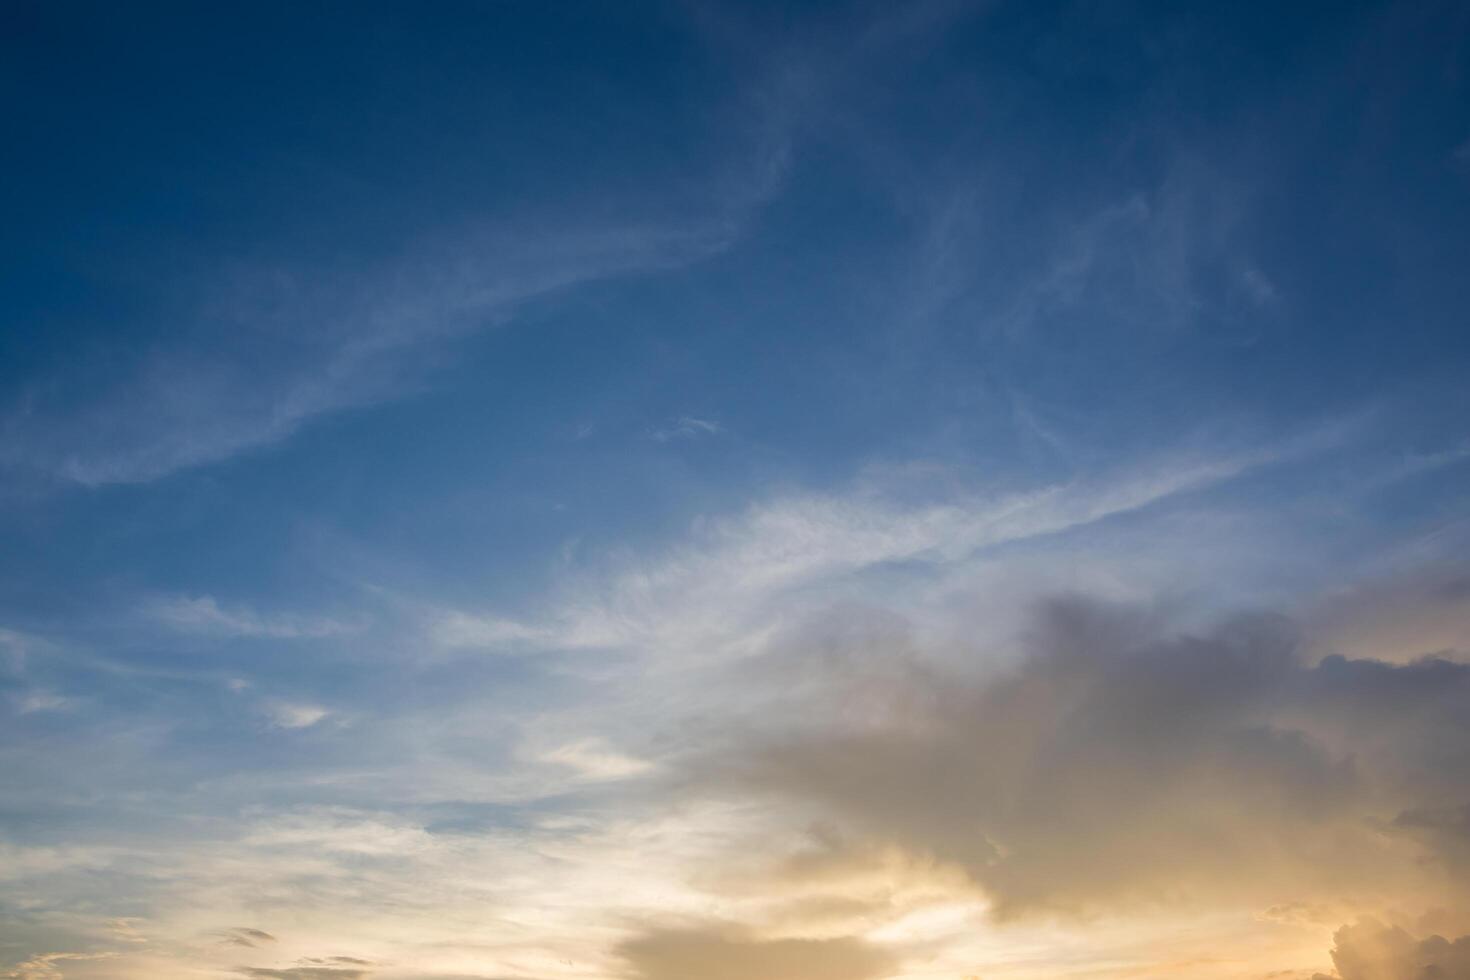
(468, 475)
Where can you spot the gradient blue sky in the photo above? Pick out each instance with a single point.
(449, 451)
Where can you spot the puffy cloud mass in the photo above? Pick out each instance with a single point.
(1370, 950)
(1123, 762)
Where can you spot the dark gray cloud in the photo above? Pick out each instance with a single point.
(305, 973)
(1123, 761)
(310, 967)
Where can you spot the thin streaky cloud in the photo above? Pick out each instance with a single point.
(203, 614)
(697, 596)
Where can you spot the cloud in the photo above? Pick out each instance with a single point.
(1123, 764)
(710, 953)
(1127, 760)
(44, 966)
(1370, 950)
(14, 646)
(248, 937)
(306, 973)
(722, 591)
(594, 759)
(686, 427)
(286, 714)
(274, 347)
(125, 930)
(458, 791)
(332, 343)
(204, 615)
(1173, 256)
(39, 700)
(458, 629)
(337, 832)
(1397, 618)
(315, 968)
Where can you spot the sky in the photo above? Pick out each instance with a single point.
(694, 490)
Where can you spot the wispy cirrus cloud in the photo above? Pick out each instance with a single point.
(330, 342)
(686, 427)
(204, 615)
(1169, 257)
(40, 700)
(293, 715)
(594, 759)
(248, 937)
(311, 971)
(273, 347)
(49, 966)
(700, 596)
(279, 347)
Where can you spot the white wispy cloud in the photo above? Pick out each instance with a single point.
(40, 700)
(722, 591)
(273, 348)
(47, 966)
(595, 759)
(367, 337)
(334, 341)
(454, 629)
(16, 648)
(293, 714)
(204, 615)
(686, 427)
(1164, 256)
